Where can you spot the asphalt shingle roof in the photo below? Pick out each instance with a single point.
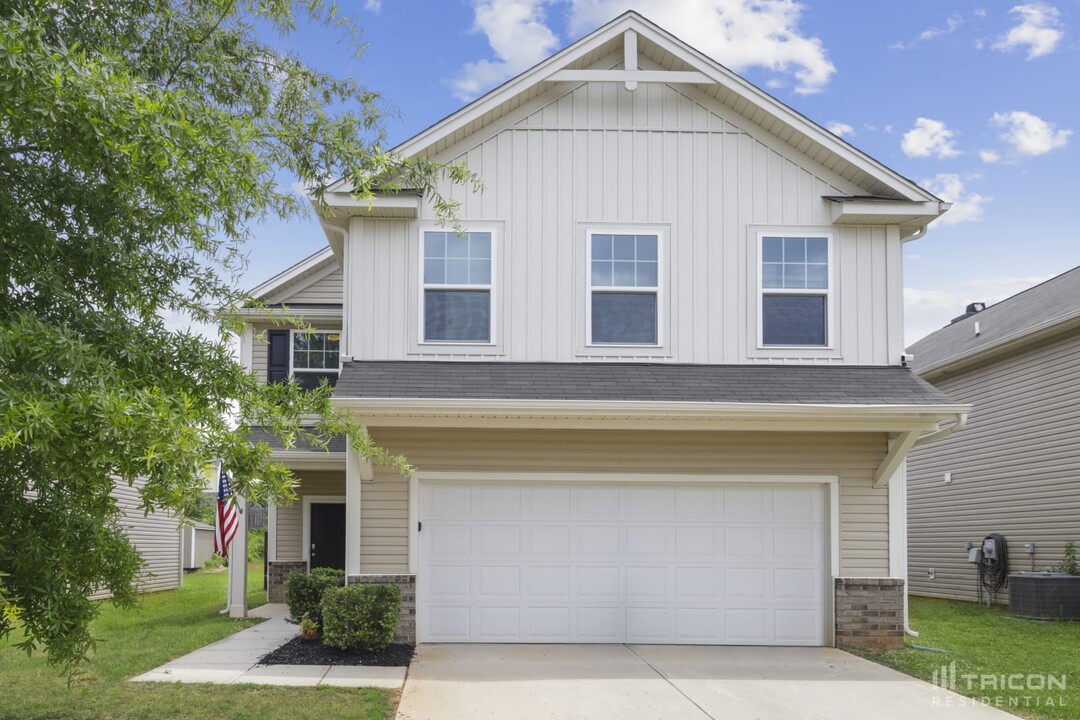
(258, 434)
(1025, 311)
(787, 384)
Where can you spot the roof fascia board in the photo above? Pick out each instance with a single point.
(309, 459)
(791, 416)
(287, 314)
(292, 273)
(900, 208)
(372, 206)
(1003, 346)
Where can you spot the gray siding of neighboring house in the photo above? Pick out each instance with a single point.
(1015, 469)
(156, 536)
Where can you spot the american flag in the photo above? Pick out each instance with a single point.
(227, 518)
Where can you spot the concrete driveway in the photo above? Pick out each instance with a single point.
(632, 682)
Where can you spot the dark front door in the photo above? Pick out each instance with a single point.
(328, 535)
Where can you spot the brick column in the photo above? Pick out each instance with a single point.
(276, 575)
(869, 613)
(406, 631)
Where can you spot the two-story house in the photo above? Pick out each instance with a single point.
(654, 392)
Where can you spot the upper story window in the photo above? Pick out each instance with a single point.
(623, 295)
(456, 288)
(309, 356)
(795, 287)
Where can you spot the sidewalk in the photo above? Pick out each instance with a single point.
(232, 661)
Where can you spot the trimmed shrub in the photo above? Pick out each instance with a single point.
(304, 592)
(362, 618)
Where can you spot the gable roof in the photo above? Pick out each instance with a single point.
(669, 53)
(298, 276)
(1030, 316)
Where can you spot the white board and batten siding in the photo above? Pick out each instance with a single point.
(598, 156)
(1014, 470)
(156, 536)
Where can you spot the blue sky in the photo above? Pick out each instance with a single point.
(979, 102)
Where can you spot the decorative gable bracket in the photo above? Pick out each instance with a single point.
(630, 75)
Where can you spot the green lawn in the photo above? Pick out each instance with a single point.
(166, 625)
(989, 642)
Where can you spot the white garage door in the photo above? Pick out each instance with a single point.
(606, 562)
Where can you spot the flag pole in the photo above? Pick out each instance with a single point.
(238, 562)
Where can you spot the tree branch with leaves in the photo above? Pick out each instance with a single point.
(139, 142)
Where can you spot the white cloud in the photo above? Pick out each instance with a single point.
(737, 33)
(966, 206)
(989, 156)
(840, 129)
(928, 310)
(373, 5)
(929, 138)
(1040, 30)
(1029, 134)
(518, 35)
(951, 24)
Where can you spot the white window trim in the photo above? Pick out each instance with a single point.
(828, 293)
(293, 332)
(305, 535)
(660, 289)
(491, 287)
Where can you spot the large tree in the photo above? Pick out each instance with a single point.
(139, 142)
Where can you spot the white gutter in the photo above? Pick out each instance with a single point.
(960, 424)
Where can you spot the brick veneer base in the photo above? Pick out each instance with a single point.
(869, 612)
(406, 632)
(277, 573)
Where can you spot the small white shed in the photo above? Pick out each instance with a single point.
(197, 545)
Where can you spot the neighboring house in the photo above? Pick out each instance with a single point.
(156, 536)
(654, 392)
(1015, 469)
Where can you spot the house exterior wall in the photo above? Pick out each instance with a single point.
(864, 536)
(656, 157)
(1014, 469)
(290, 517)
(326, 290)
(155, 536)
(259, 344)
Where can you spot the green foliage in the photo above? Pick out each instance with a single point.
(309, 629)
(1068, 563)
(304, 592)
(988, 641)
(161, 627)
(215, 562)
(256, 544)
(203, 509)
(140, 142)
(361, 617)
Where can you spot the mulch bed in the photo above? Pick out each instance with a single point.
(312, 652)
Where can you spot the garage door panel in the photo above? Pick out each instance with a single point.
(695, 541)
(597, 541)
(599, 581)
(605, 562)
(595, 502)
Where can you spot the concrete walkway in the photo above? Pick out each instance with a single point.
(232, 661)
(657, 682)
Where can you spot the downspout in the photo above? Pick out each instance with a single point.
(960, 424)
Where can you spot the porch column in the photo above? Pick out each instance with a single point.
(238, 563)
(354, 468)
